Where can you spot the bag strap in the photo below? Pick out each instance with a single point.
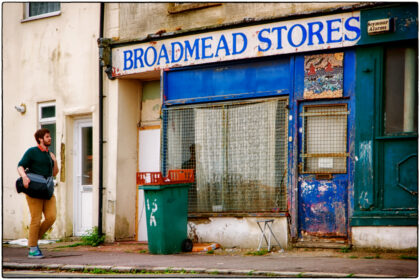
(51, 164)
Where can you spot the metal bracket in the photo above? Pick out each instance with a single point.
(105, 56)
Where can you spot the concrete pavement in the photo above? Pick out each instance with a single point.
(273, 264)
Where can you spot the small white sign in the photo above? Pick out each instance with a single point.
(379, 26)
(325, 163)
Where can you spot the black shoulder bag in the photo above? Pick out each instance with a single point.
(39, 186)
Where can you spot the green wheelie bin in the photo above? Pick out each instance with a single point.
(166, 217)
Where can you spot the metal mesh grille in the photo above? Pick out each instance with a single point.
(324, 139)
(238, 152)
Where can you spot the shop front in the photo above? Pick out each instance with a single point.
(268, 116)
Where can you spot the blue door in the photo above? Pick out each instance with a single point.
(324, 97)
(323, 177)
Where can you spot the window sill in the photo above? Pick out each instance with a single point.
(53, 14)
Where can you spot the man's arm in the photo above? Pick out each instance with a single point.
(55, 168)
(25, 178)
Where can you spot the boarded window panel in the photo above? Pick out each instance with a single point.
(238, 151)
(325, 139)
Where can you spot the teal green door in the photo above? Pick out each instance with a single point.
(396, 138)
(386, 173)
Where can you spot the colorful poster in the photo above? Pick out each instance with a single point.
(323, 76)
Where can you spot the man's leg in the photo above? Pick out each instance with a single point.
(35, 208)
(50, 213)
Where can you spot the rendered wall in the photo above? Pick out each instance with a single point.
(236, 232)
(49, 59)
(122, 114)
(385, 237)
(137, 20)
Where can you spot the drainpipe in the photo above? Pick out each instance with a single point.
(101, 125)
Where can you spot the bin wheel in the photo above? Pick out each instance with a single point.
(187, 245)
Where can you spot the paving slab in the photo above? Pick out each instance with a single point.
(281, 265)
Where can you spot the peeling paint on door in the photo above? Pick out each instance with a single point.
(322, 207)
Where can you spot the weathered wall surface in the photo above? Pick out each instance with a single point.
(385, 237)
(137, 20)
(236, 232)
(50, 59)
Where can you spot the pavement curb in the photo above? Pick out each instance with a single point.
(132, 269)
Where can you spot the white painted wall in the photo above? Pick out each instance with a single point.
(122, 113)
(49, 59)
(385, 237)
(236, 232)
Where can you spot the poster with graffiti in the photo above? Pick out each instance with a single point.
(323, 76)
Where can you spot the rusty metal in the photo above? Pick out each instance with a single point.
(323, 176)
(326, 155)
(323, 114)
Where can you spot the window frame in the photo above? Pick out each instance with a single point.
(380, 122)
(26, 16)
(42, 120)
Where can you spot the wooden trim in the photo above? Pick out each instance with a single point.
(148, 128)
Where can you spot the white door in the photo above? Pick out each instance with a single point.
(83, 158)
(149, 161)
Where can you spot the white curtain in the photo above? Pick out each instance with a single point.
(235, 148)
(210, 158)
(175, 130)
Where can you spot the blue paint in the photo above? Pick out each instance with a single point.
(332, 30)
(323, 205)
(228, 81)
(290, 35)
(317, 33)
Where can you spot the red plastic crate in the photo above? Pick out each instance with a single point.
(149, 178)
(181, 175)
(174, 177)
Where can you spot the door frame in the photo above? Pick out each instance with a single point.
(77, 140)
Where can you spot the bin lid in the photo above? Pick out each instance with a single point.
(161, 187)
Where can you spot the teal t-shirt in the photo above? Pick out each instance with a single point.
(37, 161)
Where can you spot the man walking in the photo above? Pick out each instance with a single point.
(40, 161)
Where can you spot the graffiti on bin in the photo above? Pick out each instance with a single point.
(152, 218)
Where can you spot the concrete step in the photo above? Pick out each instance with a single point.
(321, 244)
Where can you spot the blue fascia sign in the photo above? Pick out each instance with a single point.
(327, 32)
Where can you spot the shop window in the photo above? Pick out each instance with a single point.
(47, 120)
(238, 152)
(400, 92)
(35, 10)
(324, 147)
